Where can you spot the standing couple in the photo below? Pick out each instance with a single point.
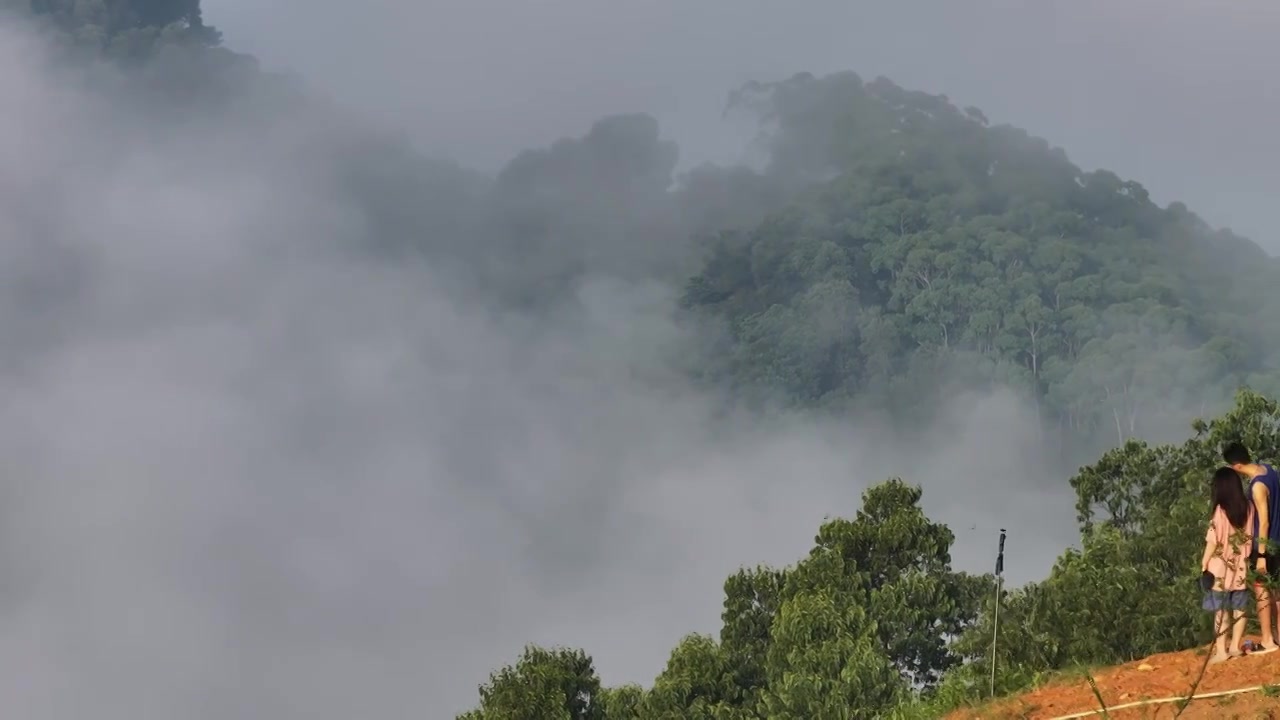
(1243, 545)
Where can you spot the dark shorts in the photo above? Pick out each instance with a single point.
(1273, 567)
(1225, 600)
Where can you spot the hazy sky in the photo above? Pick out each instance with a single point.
(1177, 94)
(247, 475)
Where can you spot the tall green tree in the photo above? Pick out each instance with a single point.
(555, 684)
(899, 565)
(752, 600)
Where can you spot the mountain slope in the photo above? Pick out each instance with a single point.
(935, 241)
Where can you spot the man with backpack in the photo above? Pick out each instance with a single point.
(1264, 492)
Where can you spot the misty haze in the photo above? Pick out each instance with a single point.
(653, 359)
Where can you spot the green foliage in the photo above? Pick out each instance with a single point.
(752, 599)
(625, 702)
(697, 683)
(932, 235)
(824, 659)
(558, 684)
(899, 565)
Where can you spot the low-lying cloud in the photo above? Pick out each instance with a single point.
(252, 471)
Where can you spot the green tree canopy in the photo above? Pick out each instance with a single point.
(556, 684)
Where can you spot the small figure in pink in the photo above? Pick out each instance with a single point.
(1226, 557)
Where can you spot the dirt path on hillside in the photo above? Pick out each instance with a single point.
(1159, 676)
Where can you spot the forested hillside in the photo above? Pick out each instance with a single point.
(942, 242)
(894, 249)
(895, 246)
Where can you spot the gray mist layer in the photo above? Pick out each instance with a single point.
(1178, 95)
(251, 473)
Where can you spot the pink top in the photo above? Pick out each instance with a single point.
(1230, 561)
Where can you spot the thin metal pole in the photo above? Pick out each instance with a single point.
(995, 634)
(995, 631)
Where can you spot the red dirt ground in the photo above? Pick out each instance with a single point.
(1162, 676)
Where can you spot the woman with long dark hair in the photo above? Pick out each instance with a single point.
(1226, 559)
